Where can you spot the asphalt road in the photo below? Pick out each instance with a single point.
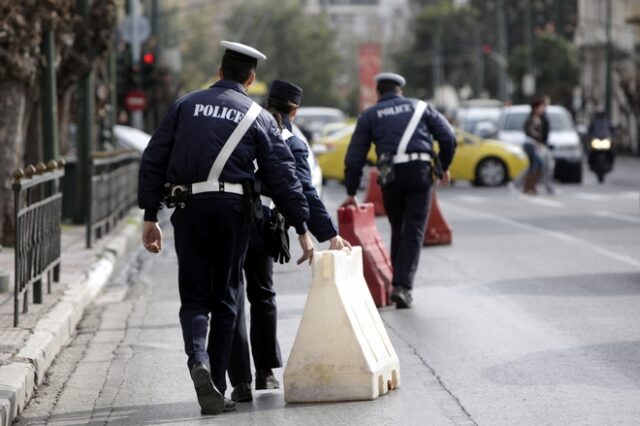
(530, 318)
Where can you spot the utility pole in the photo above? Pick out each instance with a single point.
(85, 137)
(49, 104)
(529, 78)
(609, 59)
(478, 82)
(502, 49)
(133, 9)
(436, 63)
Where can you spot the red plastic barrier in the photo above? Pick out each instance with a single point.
(438, 230)
(374, 193)
(357, 225)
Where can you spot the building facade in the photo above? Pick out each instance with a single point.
(602, 23)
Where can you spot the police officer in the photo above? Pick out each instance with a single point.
(205, 148)
(403, 130)
(283, 102)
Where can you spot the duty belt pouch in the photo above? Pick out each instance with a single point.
(251, 203)
(176, 195)
(437, 168)
(386, 174)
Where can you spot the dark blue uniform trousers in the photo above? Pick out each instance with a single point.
(211, 240)
(258, 270)
(406, 201)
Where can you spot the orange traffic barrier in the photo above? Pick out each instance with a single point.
(357, 225)
(374, 193)
(438, 230)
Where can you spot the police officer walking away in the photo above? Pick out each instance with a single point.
(283, 102)
(205, 148)
(403, 131)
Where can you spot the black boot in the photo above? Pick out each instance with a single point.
(266, 380)
(210, 399)
(402, 297)
(242, 392)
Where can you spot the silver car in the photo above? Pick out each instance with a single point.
(564, 139)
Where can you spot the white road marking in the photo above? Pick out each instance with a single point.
(590, 197)
(554, 234)
(543, 202)
(621, 217)
(471, 199)
(633, 195)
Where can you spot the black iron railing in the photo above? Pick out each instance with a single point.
(113, 190)
(38, 210)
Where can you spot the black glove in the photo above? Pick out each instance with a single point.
(278, 238)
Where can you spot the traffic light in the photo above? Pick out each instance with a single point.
(148, 69)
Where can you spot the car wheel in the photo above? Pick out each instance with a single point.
(491, 172)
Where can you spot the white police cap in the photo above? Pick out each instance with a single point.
(242, 49)
(390, 76)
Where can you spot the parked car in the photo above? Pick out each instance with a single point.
(132, 138)
(486, 162)
(564, 139)
(479, 116)
(312, 119)
(481, 161)
(332, 149)
(316, 171)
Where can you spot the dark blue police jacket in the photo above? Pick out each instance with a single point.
(384, 123)
(190, 137)
(320, 222)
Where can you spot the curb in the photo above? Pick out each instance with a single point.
(19, 379)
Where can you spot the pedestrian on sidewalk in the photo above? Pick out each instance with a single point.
(402, 130)
(205, 147)
(283, 102)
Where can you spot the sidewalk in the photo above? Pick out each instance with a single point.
(27, 351)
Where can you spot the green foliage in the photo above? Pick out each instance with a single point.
(453, 27)
(555, 60)
(463, 31)
(299, 48)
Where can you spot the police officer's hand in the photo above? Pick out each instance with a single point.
(446, 178)
(350, 201)
(338, 243)
(152, 237)
(307, 248)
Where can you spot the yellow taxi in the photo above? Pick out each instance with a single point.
(484, 162)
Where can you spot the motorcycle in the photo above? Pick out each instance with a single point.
(601, 156)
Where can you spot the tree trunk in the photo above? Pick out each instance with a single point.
(32, 125)
(65, 103)
(13, 104)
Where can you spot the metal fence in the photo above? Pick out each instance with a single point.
(113, 190)
(38, 210)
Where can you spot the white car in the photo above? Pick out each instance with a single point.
(316, 171)
(564, 139)
(132, 138)
(479, 117)
(313, 119)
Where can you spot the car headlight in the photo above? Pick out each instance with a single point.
(601, 143)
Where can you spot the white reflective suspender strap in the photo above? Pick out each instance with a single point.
(421, 106)
(286, 134)
(233, 141)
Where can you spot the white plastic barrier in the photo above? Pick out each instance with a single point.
(342, 351)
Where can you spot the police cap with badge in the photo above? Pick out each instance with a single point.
(178, 195)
